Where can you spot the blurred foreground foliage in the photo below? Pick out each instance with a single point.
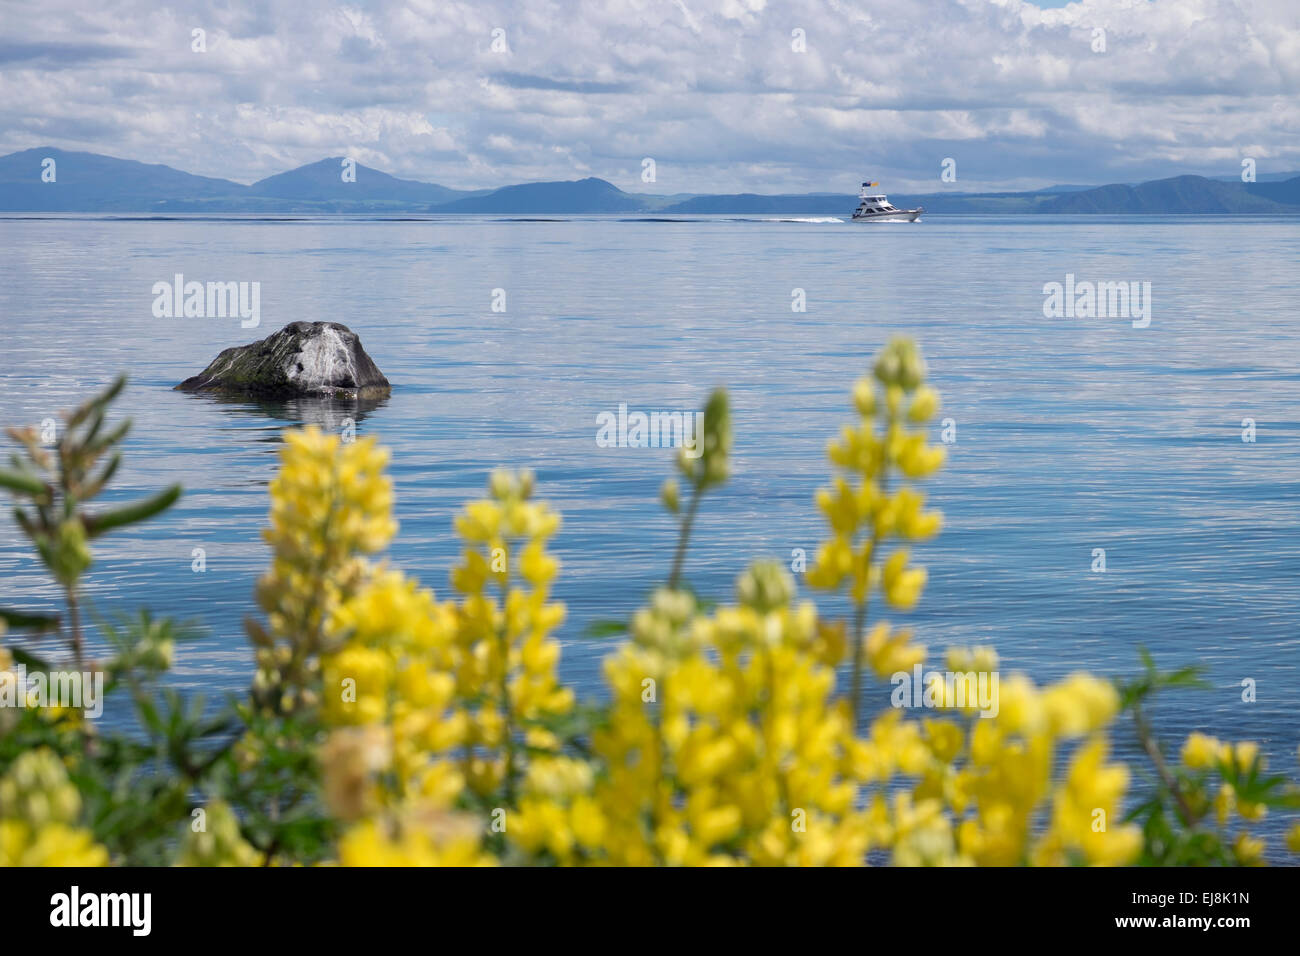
(388, 726)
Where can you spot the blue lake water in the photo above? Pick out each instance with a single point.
(1072, 434)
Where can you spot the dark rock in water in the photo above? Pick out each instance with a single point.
(303, 358)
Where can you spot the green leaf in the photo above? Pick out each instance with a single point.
(606, 628)
(1185, 677)
(149, 717)
(107, 441)
(21, 482)
(108, 520)
(28, 659)
(24, 521)
(28, 622)
(97, 485)
(85, 410)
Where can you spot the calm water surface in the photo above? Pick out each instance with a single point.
(1072, 434)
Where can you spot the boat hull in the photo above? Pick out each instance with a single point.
(900, 215)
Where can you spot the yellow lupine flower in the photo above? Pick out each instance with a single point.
(419, 842)
(505, 682)
(1201, 751)
(978, 659)
(1021, 708)
(724, 742)
(1243, 754)
(559, 776)
(1251, 811)
(218, 842)
(383, 652)
(925, 404)
(923, 834)
(766, 790)
(1080, 704)
(1085, 816)
(890, 652)
(1293, 838)
(864, 397)
(902, 585)
(1248, 850)
(944, 737)
(357, 682)
(917, 460)
(39, 809)
(480, 522)
(1225, 801)
(330, 504)
(51, 844)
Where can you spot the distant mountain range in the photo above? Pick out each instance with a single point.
(322, 182)
(89, 182)
(575, 196)
(1182, 194)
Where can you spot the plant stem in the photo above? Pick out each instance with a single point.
(769, 735)
(860, 617)
(859, 623)
(688, 521)
(859, 642)
(503, 641)
(1148, 741)
(308, 638)
(74, 624)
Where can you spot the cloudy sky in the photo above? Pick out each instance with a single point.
(724, 95)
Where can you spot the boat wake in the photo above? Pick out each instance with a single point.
(730, 219)
(779, 219)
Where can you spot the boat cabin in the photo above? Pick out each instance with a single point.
(876, 203)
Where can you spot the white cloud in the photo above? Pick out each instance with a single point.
(711, 88)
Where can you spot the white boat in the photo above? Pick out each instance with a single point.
(876, 207)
